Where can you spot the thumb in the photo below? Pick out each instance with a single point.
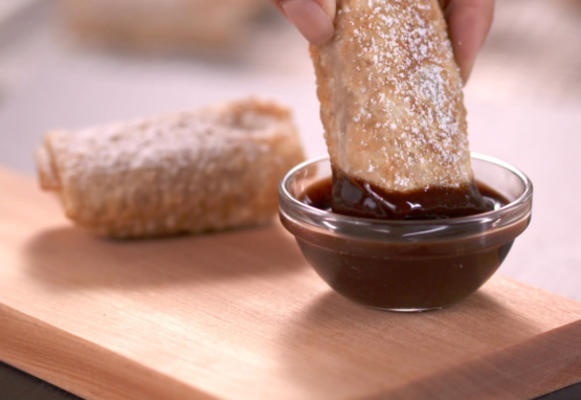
(469, 22)
(313, 18)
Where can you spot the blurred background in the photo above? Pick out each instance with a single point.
(70, 64)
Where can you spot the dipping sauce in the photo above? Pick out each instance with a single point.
(405, 276)
(348, 196)
(423, 258)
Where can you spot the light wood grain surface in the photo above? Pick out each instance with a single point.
(241, 315)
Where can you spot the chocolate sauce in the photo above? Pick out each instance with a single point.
(349, 196)
(404, 275)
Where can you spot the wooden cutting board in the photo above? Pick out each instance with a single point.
(241, 315)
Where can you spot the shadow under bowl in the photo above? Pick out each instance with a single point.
(412, 265)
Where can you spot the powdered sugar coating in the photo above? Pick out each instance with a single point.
(192, 171)
(391, 96)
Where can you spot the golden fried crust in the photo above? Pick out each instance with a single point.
(205, 170)
(391, 96)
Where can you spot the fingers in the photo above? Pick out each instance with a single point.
(313, 18)
(469, 22)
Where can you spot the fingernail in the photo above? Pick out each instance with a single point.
(466, 71)
(464, 64)
(310, 19)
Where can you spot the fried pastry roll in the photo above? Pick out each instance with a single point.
(161, 24)
(391, 96)
(210, 169)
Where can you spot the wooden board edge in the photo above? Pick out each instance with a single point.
(84, 365)
(545, 292)
(550, 360)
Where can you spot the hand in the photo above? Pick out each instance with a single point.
(468, 22)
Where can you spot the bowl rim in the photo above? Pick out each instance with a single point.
(521, 200)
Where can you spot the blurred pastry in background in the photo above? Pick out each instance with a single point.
(162, 24)
(204, 170)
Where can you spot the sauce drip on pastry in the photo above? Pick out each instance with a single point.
(348, 196)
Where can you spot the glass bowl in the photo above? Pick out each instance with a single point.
(408, 265)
